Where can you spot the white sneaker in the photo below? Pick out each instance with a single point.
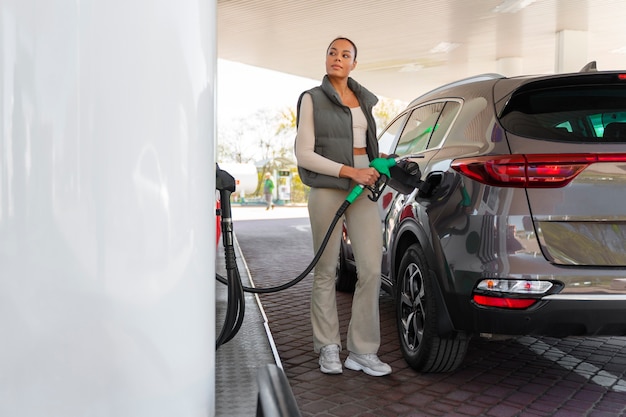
(329, 360)
(368, 363)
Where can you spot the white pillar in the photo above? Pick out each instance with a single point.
(107, 228)
(571, 51)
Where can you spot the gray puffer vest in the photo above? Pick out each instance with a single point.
(333, 130)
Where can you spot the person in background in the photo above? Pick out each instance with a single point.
(268, 191)
(335, 142)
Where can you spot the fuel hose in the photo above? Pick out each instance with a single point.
(236, 298)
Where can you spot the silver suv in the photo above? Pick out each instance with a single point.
(522, 226)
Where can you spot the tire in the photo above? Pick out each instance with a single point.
(346, 276)
(416, 316)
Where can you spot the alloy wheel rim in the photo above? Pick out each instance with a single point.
(412, 307)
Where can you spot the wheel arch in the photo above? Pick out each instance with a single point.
(410, 233)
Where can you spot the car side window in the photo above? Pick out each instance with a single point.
(418, 129)
(386, 138)
(443, 124)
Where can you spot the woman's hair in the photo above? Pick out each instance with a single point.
(341, 38)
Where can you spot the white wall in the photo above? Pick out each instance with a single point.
(107, 230)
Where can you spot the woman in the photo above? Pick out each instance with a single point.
(335, 143)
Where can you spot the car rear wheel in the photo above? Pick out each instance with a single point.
(416, 315)
(346, 276)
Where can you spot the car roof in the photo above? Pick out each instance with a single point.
(470, 80)
(504, 86)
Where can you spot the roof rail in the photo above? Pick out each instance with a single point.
(472, 79)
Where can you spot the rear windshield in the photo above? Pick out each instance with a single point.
(580, 113)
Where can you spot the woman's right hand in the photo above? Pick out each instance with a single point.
(363, 176)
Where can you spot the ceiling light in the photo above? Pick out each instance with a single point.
(444, 47)
(513, 6)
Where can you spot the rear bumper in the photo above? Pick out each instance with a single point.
(556, 316)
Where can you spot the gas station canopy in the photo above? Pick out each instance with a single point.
(407, 47)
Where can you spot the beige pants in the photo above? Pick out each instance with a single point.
(364, 227)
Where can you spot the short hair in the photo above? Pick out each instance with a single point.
(341, 38)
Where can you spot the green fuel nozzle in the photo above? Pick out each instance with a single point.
(354, 194)
(381, 165)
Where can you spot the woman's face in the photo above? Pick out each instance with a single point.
(340, 59)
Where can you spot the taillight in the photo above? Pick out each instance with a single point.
(530, 171)
(510, 293)
(502, 302)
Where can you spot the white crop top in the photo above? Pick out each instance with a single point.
(359, 127)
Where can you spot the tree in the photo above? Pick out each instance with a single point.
(386, 110)
(287, 121)
(253, 138)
